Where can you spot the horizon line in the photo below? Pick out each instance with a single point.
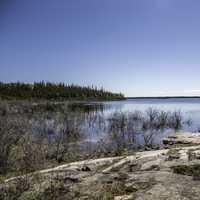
(160, 97)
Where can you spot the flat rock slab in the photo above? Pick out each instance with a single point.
(184, 138)
(168, 174)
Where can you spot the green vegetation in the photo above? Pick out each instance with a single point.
(54, 91)
(189, 170)
(57, 187)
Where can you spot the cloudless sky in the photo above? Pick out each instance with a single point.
(138, 47)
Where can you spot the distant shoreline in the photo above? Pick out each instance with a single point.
(166, 97)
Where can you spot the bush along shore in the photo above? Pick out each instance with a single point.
(35, 136)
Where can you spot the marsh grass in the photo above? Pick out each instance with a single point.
(123, 128)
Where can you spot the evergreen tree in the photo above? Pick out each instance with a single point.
(55, 91)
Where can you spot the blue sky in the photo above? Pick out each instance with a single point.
(138, 47)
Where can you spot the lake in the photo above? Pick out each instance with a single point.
(114, 123)
(188, 107)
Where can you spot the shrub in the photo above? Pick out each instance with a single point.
(189, 170)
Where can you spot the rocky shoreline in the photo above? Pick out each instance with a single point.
(184, 138)
(167, 174)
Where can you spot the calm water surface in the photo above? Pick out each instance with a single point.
(189, 108)
(95, 125)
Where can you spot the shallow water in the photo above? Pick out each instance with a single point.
(189, 108)
(92, 119)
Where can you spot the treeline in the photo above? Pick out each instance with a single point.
(54, 91)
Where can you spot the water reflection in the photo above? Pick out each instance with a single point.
(189, 107)
(69, 131)
(99, 114)
(91, 107)
(115, 124)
